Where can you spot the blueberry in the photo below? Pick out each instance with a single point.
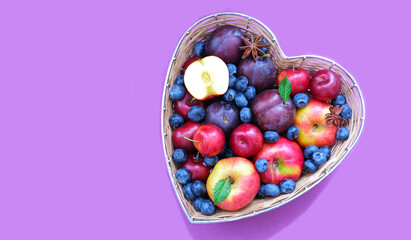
(301, 100)
(245, 115)
(260, 193)
(188, 192)
(287, 186)
(176, 120)
(339, 100)
(197, 203)
(292, 132)
(229, 95)
(198, 188)
(232, 69)
(229, 153)
(179, 80)
(261, 165)
(271, 136)
(271, 190)
(207, 207)
(310, 166)
(196, 113)
(183, 176)
(346, 112)
(232, 81)
(241, 84)
(264, 49)
(199, 49)
(240, 100)
(250, 93)
(179, 156)
(342, 134)
(177, 92)
(309, 150)
(326, 150)
(318, 158)
(210, 161)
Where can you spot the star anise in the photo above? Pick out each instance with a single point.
(253, 47)
(334, 116)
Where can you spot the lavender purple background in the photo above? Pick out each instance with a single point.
(80, 144)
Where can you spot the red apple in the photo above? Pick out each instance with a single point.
(285, 160)
(187, 63)
(325, 85)
(209, 140)
(187, 130)
(311, 122)
(299, 78)
(183, 106)
(207, 78)
(246, 140)
(196, 167)
(244, 180)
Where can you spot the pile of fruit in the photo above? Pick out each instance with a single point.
(242, 131)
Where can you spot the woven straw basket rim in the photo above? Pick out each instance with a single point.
(199, 31)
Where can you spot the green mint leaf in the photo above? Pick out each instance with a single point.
(221, 190)
(284, 88)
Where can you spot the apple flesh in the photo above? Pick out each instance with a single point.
(187, 63)
(285, 160)
(325, 85)
(246, 140)
(207, 78)
(195, 165)
(269, 112)
(244, 180)
(311, 122)
(225, 115)
(299, 78)
(187, 130)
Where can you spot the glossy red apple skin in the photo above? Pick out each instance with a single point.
(325, 85)
(311, 122)
(299, 78)
(246, 140)
(183, 106)
(269, 112)
(196, 167)
(244, 178)
(187, 130)
(261, 74)
(225, 43)
(209, 140)
(187, 63)
(285, 160)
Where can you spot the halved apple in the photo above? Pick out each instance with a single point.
(207, 78)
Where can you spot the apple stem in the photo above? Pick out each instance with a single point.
(192, 100)
(191, 140)
(293, 67)
(198, 154)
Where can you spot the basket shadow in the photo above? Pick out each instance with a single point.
(269, 223)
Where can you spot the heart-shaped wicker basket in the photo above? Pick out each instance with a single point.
(199, 31)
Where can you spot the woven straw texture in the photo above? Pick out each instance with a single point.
(199, 32)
